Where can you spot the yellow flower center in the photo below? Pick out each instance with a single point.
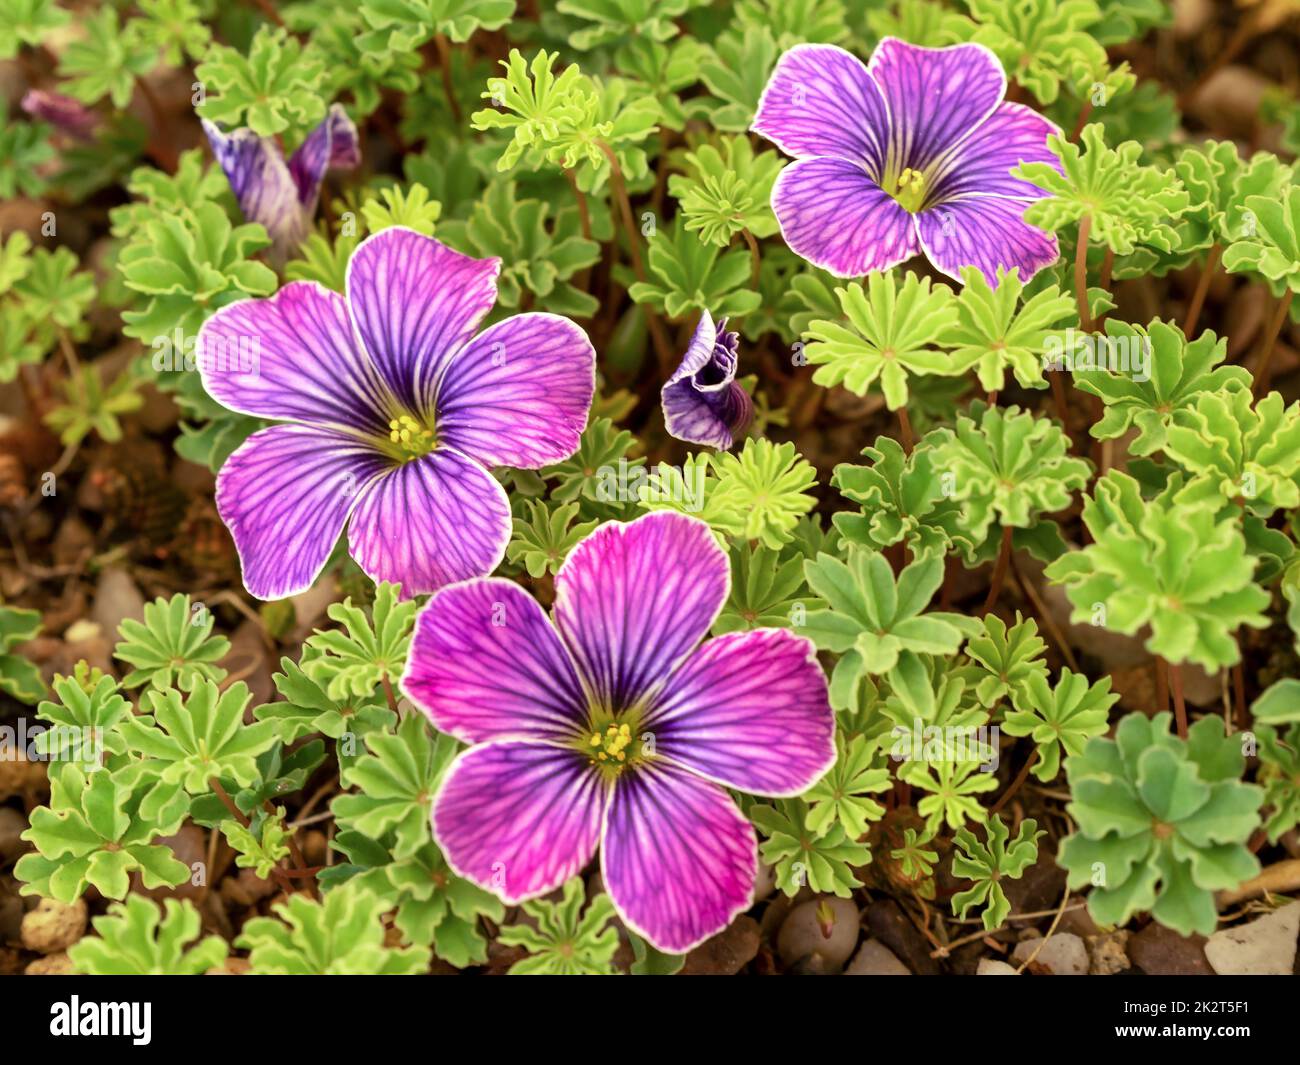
(410, 439)
(910, 193)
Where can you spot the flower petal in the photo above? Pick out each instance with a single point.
(415, 303)
(260, 179)
(821, 102)
(749, 710)
(986, 232)
(292, 356)
(485, 664)
(935, 96)
(519, 818)
(832, 214)
(518, 393)
(431, 522)
(677, 857)
(632, 599)
(701, 401)
(332, 145)
(285, 495)
(981, 163)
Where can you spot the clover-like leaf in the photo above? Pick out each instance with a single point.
(988, 863)
(767, 589)
(1128, 204)
(136, 938)
(952, 787)
(19, 677)
(1178, 373)
(1162, 822)
(995, 332)
(105, 61)
(727, 191)
(188, 263)
(173, 647)
(1063, 717)
(1010, 657)
(544, 537)
(396, 783)
(803, 858)
(366, 651)
(1272, 247)
(1181, 570)
(93, 833)
(339, 935)
(194, 738)
(690, 275)
(568, 940)
(893, 333)
(273, 89)
(1008, 468)
(842, 796)
(873, 616)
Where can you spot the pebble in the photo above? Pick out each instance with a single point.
(1264, 947)
(1063, 954)
(875, 959)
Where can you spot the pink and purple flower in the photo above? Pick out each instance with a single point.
(610, 726)
(282, 195)
(702, 402)
(396, 412)
(908, 154)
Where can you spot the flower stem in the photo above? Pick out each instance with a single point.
(999, 569)
(1270, 342)
(905, 430)
(584, 215)
(1081, 273)
(1180, 707)
(1162, 685)
(1202, 289)
(657, 335)
(1014, 786)
(753, 256)
(444, 65)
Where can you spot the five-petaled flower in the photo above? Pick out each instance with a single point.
(397, 415)
(910, 153)
(702, 402)
(608, 727)
(282, 195)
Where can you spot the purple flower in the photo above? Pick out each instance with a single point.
(282, 196)
(610, 726)
(62, 112)
(702, 402)
(396, 416)
(908, 154)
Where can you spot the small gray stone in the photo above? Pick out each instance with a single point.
(993, 967)
(1062, 955)
(875, 959)
(1265, 947)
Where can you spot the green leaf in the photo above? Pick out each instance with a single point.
(397, 781)
(1175, 373)
(18, 676)
(691, 276)
(275, 88)
(567, 941)
(617, 21)
(543, 538)
(1162, 822)
(1041, 43)
(261, 846)
(1010, 658)
(173, 647)
(410, 207)
(840, 797)
(987, 863)
(105, 61)
(996, 333)
(803, 858)
(737, 72)
(1129, 204)
(953, 787)
(1181, 570)
(340, 935)
(93, 832)
(893, 332)
(28, 22)
(1064, 717)
(406, 24)
(1007, 468)
(193, 739)
(366, 651)
(135, 938)
(25, 151)
(767, 590)
(1271, 248)
(89, 407)
(727, 191)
